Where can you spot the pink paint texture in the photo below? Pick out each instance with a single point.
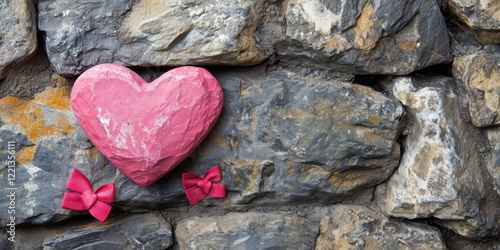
(146, 129)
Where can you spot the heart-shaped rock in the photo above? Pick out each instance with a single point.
(146, 129)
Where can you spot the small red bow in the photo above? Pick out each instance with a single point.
(84, 199)
(197, 188)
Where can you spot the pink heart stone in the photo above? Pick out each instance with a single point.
(146, 129)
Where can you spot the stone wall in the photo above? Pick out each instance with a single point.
(346, 125)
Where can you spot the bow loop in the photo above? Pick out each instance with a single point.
(213, 174)
(106, 192)
(198, 188)
(78, 182)
(83, 198)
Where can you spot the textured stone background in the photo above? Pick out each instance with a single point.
(347, 124)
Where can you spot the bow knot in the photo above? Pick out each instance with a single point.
(205, 185)
(84, 198)
(198, 188)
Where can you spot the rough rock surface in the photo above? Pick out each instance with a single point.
(4, 242)
(481, 15)
(139, 231)
(18, 33)
(192, 32)
(332, 142)
(44, 130)
(454, 241)
(301, 139)
(295, 137)
(440, 172)
(366, 37)
(493, 163)
(480, 74)
(436, 174)
(31, 78)
(359, 227)
(247, 231)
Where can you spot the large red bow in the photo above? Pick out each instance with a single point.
(197, 188)
(84, 199)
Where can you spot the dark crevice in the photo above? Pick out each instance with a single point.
(436, 70)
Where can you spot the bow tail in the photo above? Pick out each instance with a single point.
(195, 195)
(100, 210)
(73, 201)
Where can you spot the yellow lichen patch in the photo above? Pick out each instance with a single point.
(486, 79)
(312, 170)
(25, 155)
(93, 154)
(321, 108)
(407, 45)
(57, 98)
(146, 11)
(374, 119)
(13, 109)
(251, 178)
(370, 93)
(31, 117)
(367, 32)
(149, 9)
(336, 44)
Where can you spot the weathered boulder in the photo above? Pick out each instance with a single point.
(294, 139)
(480, 74)
(365, 37)
(436, 175)
(279, 139)
(360, 227)
(79, 35)
(43, 130)
(493, 161)
(454, 241)
(481, 15)
(138, 231)
(18, 34)
(247, 231)
(440, 173)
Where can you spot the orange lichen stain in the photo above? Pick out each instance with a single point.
(30, 116)
(25, 155)
(367, 30)
(407, 45)
(348, 179)
(374, 119)
(311, 170)
(336, 44)
(93, 155)
(251, 168)
(57, 98)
